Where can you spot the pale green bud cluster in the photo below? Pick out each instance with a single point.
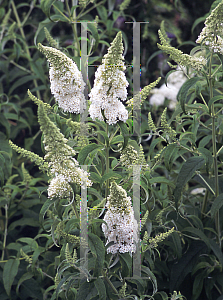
(144, 219)
(114, 57)
(139, 98)
(68, 237)
(122, 291)
(39, 161)
(177, 296)
(130, 157)
(55, 143)
(118, 199)
(124, 5)
(211, 35)
(151, 123)
(71, 260)
(7, 190)
(26, 176)
(50, 39)
(178, 56)
(56, 280)
(26, 257)
(171, 133)
(153, 242)
(38, 101)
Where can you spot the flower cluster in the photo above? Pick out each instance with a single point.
(66, 80)
(174, 83)
(63, 167)
(212, 33)
(109, 86)
(122, 228)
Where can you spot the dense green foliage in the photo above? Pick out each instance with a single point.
(180, 186)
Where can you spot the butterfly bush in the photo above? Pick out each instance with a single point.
(109, 86)
(121, 225)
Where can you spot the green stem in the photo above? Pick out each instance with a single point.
(5, 233)
(15, 64)
(20, 25)
(74, 27)
(88, 10)
(61, 13)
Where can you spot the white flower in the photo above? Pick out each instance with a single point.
(67, 86)
(66, 80)
(66, 171)
(121, 229)
(110, 86)
(174, 83)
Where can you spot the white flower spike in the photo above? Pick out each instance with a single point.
(110, 86)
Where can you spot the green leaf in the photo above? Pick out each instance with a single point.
(24, 222)
(86, 150)
(184, 91)
(186, 173)
(44, 209)
(21, 81)
(151, 276)
(109, 175)
(105, 136)
(24, 277)
(100, 286)
(9, 272)
(126, 263)
(198, 21)
(204, 141)
(217, 251)
(160, 179)
(94, 33)
(169, 155)
(94, 192)
(214, 99)
(140, 284)
(198, 233)
(102, 11)
(198, 284)
(31, 242)
(31, 289)
(217, 204)
(186, 264)
(86, 291)
(125, 133)
(207, 156)
(45, 6)
(98, 251)
(177, 244)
